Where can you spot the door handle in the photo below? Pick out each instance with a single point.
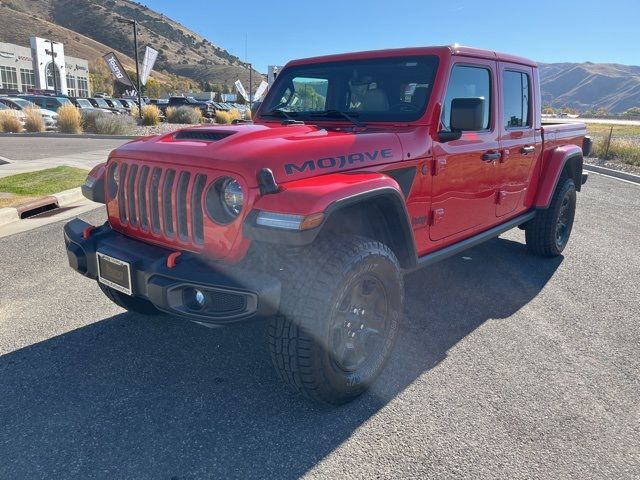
(491, 156)
(527, 149)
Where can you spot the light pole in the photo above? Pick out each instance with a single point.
(135, 46)
(53, 68)
(250, 86)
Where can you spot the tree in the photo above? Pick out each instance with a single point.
(548, 110)
(152, 88)
(633, 112)
(100, 78)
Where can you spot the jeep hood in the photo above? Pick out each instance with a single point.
(291, 152)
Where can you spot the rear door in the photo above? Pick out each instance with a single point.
(517, 137)
(464, 173)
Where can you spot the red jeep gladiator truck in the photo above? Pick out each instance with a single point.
(357, 168)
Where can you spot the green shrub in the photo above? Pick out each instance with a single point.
(115, 125)
(69, 119)
(33, 121)
(89, 119)
(184, 115)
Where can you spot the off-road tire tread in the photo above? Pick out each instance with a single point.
(540, 232)
(304, 296)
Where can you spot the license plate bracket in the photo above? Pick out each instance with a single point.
(114, 273)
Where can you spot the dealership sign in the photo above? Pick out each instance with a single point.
(117, 69)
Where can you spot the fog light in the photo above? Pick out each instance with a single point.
(194, 299)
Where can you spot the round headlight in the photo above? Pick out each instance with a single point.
(224, 200)
(232, 197)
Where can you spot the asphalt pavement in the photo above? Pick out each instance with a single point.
(32, 148)
(28, 154)
(507, 366)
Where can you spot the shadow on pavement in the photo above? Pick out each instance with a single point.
(138, 397)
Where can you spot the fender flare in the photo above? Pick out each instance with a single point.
(554, 165)
(307, 197)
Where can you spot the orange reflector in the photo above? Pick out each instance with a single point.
(172, 259)
(312, 221)
(86, 233)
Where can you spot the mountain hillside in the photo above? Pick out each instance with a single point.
(89, 28)
(590, 85)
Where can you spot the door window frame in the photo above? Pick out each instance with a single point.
(492, 91)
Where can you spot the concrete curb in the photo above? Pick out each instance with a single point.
(70, 135)
(612, 173)
(62, 199)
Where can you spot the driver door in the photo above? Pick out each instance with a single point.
(464, 183)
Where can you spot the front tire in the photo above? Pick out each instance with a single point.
(548, 233)
(341, 307)
(132, 304)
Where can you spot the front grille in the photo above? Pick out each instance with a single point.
(162, 200)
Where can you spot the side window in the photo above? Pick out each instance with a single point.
(468, 82)
(516, 98)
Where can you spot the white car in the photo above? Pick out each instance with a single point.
(18, 104)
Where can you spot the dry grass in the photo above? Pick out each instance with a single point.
(69, 119)
(624, 146)
(9, 122)
(223, 117)
(150, 115)
(184, 115)
(234, 114)
(33, 120)
(248, 115)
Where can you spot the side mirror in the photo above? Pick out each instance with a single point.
(467, 114)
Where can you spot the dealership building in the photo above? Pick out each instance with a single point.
(27, 69)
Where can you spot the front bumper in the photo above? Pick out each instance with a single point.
(233, 293)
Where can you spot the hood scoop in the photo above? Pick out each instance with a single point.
(202, 135)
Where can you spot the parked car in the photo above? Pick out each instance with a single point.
(48, 102)
(309, 218)
(100, 102)
(115, 104)
(205, 107)
(49, 117)
(85, 105)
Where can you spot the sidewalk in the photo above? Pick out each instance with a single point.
(86, 160)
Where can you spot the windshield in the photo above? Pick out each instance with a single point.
(84, 103)
(23, 103)
(393, 89)
(102, 103)
(64, 101)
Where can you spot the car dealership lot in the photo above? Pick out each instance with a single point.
(507, 367)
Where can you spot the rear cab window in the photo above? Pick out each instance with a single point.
(516, 99)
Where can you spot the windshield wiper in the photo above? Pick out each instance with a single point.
(288, 116)
(338, 113)
(280, 113)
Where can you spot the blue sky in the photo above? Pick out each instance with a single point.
(546, 31)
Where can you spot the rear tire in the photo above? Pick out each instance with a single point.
(342, 301)
(548, 233)
(132, 304)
